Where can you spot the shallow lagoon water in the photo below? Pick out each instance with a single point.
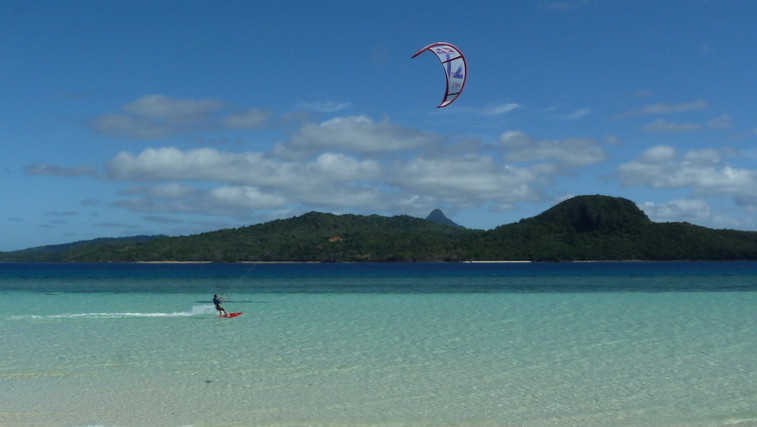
(621, 344)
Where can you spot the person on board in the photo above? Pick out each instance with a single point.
(217, 301)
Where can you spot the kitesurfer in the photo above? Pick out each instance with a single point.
(217, 301)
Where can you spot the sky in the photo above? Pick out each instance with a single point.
(121, 118)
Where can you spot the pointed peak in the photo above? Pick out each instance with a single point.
(438, 217)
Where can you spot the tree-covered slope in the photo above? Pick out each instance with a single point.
(609, 228)
(53, 253)
(310, 237)
(582, 228)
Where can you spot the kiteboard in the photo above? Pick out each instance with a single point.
(230, 315)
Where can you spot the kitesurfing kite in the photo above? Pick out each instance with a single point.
(455, 69)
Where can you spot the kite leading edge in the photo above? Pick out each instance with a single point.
(455, 69)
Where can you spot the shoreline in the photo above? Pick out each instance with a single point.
(387, 262)
(499, 262)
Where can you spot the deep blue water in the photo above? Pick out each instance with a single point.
(382, 277)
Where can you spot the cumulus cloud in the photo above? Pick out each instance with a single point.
(354, 134)
(515, 139)
(250, 181)
(658, 154)
(176, 198)
(694, 210)
(158, 116)
(467, 181)
(251, 168)
(256, 180)
(350, 163)
(244, 197)
(169, 163)
(172, 110)
(703, 171)
(172, 191)
(564, 154)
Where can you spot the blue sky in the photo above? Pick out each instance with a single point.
(121, 118)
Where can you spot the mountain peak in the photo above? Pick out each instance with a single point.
(438, 217)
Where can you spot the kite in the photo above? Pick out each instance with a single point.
(455, 69)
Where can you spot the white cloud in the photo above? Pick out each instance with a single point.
(328, 106)
(657, 154)
(123, 126)
(557, 155)
(665, 108)
(207, 164)
(355, 134)
(170, 191)
(222, 200)
(333, 180)
(566, 153)
(702, 157)
(166, 164)
(347, 163)
(579, 114)
(159, 116)
(721, 123)
(693, 210)
(340, 167)
(704, 171)
(245, 197)
(664, 126)
(468, 181)
(501, 109)
(612, 140)
(493, 110)
(247, 119)
(172, 110)
(515, 139)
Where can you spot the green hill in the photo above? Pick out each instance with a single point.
(609, 228)
(582, 228)
(55, 253)
(310, 237)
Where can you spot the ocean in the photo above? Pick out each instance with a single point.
(442, 344)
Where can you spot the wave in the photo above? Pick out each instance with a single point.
(195, 311)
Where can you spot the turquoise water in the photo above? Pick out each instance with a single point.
(590, 344)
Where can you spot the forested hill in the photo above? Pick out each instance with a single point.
(582, 228)
(609, 228)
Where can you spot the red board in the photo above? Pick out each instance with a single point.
(231, 315)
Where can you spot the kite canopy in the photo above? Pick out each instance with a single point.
(455, 68)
